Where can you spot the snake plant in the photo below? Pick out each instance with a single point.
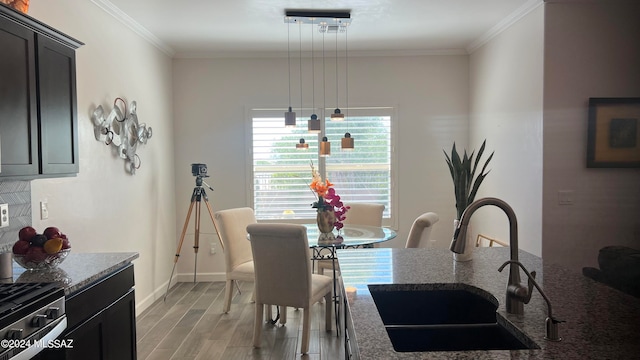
(465, 182)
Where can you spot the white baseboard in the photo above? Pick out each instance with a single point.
(158, 293)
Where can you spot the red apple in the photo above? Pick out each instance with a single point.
(35, 254)
(20, 247)
(52, 232)
(65, 242)
(26, 233)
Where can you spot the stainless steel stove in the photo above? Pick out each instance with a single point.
(31, 316)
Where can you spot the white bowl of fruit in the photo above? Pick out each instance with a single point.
(34, 251)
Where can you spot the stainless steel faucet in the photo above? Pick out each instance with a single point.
(516, 292)
(551, 323)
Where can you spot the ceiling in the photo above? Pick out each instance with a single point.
(235, 27)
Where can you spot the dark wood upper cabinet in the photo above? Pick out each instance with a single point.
(38, 109)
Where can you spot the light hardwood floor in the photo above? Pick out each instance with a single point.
(190, 325)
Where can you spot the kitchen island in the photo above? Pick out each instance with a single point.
(601, 322)
(99, 304)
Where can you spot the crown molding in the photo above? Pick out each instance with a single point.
(119, 15)
(307, 54)
(505, 23)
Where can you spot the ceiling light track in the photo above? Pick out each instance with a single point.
(330, 19)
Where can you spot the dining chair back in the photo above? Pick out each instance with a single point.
(283, 276)
(364, 214)
(420, 231)
(358, 214)
(232, 228)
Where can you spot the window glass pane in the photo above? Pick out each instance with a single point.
(281, 173)
(364, 173)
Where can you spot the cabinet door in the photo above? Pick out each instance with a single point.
(120, 328)
(58, 112)
(18, 101)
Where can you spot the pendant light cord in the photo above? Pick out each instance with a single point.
(324, 89)
(313, 75)
(300, 48)
(337, 107)
(346, 70)
(289, 59)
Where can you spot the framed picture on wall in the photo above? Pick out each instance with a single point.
(614, 133)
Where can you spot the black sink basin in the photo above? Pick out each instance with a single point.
(444, 317)
(424, 304)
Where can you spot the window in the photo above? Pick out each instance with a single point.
(281, 173)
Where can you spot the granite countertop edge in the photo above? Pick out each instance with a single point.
(78, 270)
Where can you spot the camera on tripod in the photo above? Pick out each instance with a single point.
(199, 170)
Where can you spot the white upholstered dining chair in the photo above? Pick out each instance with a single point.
(283, 276)
(358, 214)
(364, 214)
(421, 229)
(232, 226)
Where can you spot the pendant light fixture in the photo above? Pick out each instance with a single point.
(302, 145)
(289, 116)
(337, 114)
(329, 21)
(313, 124)
(347, 140)
(325, 147)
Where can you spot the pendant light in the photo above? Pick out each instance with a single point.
(302, 145)
(289, 116)
(347, 140)
(313, 124)
(337, 114)
(325, 147)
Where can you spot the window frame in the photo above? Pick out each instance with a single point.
(391, 111)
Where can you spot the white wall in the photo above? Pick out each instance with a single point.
(211, 97)
(506, 109)
(592, 49)
(104, 209)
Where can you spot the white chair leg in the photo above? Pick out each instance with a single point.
(257, 325)
(327, 310)
(306, 319)
(228, 293)
(283, 315)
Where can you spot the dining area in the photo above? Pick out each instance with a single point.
(294, 265)
(282, 285)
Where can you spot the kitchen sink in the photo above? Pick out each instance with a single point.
(444, 317)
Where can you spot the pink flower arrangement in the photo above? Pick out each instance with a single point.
(327, 198)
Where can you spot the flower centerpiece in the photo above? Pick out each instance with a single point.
(331, 211)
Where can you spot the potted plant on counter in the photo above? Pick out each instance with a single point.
(466, 183)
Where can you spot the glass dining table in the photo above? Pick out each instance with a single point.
(351, 236)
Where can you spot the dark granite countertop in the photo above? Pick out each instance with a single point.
(77, 270)
(601, 322)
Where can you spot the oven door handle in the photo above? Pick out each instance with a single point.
(33, 350)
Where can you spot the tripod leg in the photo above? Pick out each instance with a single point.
(175, 260)
(196, 240)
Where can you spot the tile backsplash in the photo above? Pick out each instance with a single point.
(18, 195)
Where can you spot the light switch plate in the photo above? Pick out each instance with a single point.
(565, 197)
(4, 215)
(44, 210)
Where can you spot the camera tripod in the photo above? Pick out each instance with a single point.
(197, 196)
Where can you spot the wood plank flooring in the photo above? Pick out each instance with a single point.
(190, 325)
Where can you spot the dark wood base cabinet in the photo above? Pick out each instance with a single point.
(101, 321)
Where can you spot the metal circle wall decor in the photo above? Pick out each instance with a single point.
(122, 130)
